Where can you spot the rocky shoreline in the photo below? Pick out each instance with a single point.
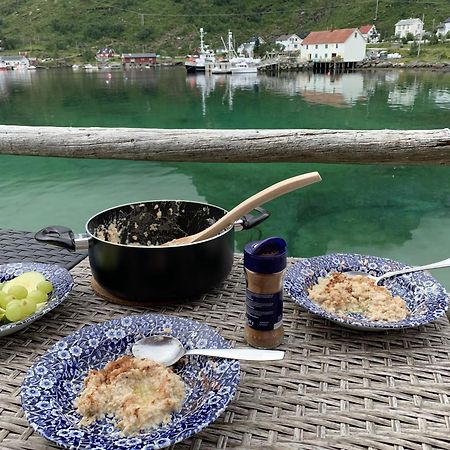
(375, 64)
(383, 64)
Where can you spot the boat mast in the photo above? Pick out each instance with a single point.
(231, 51)
(202, 48)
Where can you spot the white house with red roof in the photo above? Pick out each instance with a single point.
(346, 45)
(370, 33)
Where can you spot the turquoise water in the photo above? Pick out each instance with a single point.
(399, 212)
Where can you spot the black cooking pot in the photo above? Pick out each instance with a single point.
(128, 261)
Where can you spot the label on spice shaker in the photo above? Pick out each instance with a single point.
(264, 311)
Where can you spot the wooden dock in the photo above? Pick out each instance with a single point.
(333, 66)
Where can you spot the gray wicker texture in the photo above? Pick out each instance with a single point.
(21, 246)
(336, 388)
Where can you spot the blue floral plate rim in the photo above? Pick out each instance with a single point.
(426, 298)
(62, 285)
(54, 381)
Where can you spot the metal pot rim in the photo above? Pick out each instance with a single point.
(91, 236)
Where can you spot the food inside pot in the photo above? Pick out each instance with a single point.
(153, 223)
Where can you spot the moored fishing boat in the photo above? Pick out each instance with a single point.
(204, 58)
(234, 62)
(243, 67)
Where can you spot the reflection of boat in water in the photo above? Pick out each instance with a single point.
(205, 56)
(244, 81)
(228, 84)
(243, 67)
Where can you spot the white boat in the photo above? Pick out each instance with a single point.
(221, 67)
(234, 63)
(90, 67)
(204, 58)
(76, 66)
(243, 67)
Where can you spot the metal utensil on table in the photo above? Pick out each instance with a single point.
(168, 350)
(436, 265)
(258, 199)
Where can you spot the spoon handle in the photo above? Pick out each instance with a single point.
(249, 354)
(436, 265)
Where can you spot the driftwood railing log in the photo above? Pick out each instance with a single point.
(316, 146)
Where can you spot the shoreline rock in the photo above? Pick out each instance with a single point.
(383, 64)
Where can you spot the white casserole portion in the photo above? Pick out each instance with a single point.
(141, 394)
(342, 294)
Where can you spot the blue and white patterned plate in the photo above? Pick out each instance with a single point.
(52, 384)
(62, 285)
(425, 297)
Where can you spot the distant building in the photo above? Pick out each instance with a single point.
(138, 60)
(347, 45)
(370, 33)
(444, 27)
(248, 48)
(16, 62)
(405, 26)
(290, 42)
(105, 54)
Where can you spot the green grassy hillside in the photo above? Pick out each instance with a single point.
(57, 28)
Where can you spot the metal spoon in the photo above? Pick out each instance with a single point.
(436, 265)
(168, 350)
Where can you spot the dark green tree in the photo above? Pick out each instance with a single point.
(414, 49)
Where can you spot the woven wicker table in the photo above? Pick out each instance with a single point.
(336, 388)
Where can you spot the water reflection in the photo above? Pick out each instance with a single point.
(167, 98)
(403, 96)
(15, 79)
(398, 90)
(441, 98)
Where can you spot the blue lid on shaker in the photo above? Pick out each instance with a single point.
(266, 256)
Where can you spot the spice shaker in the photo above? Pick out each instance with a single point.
(264, 265)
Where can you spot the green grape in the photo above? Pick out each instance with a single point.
(1, 286)
(18, 292)
(2, 314)
(5, 299)
(45, 286)
(28, 306)
(14, 311)
(38, 296)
